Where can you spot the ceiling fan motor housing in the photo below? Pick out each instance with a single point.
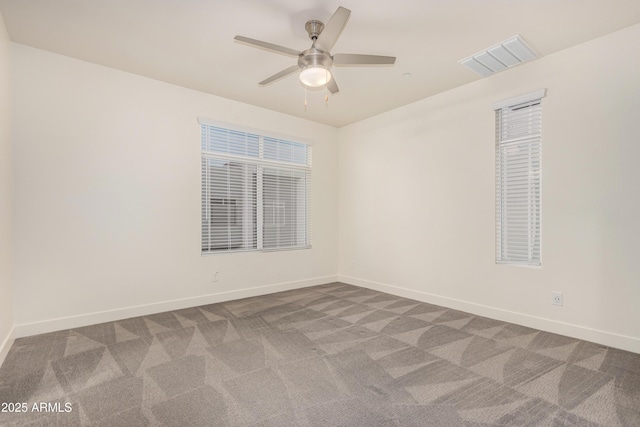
(315, 58)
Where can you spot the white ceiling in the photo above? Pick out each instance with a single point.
(190, 42)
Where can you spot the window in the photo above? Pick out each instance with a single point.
(518, 179)
(256, 191)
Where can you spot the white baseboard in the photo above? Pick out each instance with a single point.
(51, 325)
(576, 331)
(6, 344)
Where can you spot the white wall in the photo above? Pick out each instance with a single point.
(107, 201)
(417, 197)
(6, 197)
(107, 197)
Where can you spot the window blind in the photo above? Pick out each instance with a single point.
(256, 191)
(518, 183)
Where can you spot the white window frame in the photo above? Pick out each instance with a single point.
(519, 180)
(262, 165)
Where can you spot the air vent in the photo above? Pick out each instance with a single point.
(504, 55)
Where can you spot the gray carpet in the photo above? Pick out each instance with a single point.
(330, 355)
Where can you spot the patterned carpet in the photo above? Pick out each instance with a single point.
(330, 355)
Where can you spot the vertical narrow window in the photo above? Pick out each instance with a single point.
(519, 179)
(256, 191)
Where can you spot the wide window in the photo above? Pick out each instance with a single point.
(519, 179)
(256, 190)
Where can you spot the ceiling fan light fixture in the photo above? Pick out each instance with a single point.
(315, 76)
(315, 64)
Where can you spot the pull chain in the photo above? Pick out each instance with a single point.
(326, 89)
(305, 98)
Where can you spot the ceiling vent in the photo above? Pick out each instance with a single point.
(504, 55)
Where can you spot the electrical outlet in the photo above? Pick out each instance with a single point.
(556, 298)
(216, 277)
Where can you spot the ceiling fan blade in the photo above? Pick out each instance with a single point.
(333, 29)
(269, 46)
(357, 59)
(333, 86)
(281, 74)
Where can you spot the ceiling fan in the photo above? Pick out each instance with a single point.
(315, 63)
